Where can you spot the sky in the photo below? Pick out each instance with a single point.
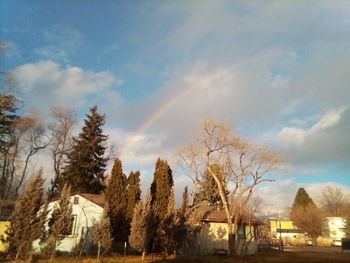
(278, 71)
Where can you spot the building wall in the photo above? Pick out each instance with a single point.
(214, 236)
(3, 226)
(335, 227)
(86, 214)
(287, 226)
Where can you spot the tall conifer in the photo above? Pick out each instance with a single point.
(133, 193)
(302, 198)
(161, 190)
(27, 219)
(116, 198)
(86, 162)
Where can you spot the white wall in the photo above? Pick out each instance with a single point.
(86, 215)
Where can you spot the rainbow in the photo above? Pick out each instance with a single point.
(190, 89)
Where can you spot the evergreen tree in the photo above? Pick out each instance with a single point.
(133, 193)
(306, 215)
(208, 188)
(184, 204)
(116, 199)
(8, 118)
(302, 198)
(86, 162)
(139, 237)
(60, 222)
(27, 219)
(102, 233)
(161, 188)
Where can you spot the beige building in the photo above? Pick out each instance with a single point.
(213, 237)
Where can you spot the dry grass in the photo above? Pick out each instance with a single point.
(268, 257)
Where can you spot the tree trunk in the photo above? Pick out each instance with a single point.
(231, 239)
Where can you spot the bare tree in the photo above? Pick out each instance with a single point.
(308, 219)
(27, 139)
(61, 140)
(333, 199)
(243, 166)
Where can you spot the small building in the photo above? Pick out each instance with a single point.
(3, 226)
(285, 229)
(87, 209)
(334, 228)
(213, 237)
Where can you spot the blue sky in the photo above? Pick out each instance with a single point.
(281, 67)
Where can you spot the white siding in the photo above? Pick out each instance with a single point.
(86, 215)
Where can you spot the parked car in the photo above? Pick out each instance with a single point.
(336, 243)
(309, 242)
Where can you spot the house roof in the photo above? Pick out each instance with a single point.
(211, 213)
(98, 199)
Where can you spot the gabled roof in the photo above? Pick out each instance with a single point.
(98, 199)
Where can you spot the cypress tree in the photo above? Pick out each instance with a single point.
(27, 219)
(133, 193)
(184, 204)
(60, 222)
(86, 162)
(161, 188)
(139, 237)
(116, 199)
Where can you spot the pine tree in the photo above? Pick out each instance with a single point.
(86, 162)
(139, 237)
(133, 193)
(302, 198)
(208, 187)
(60, 222)
(8, 118)
(116, 200)
(27, 219)
(102, 233)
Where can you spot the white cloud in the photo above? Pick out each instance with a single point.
(325, 141)
(296, 136)
(45, 84)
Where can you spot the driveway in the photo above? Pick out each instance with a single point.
(314, 249)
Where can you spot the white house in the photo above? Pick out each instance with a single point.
(87, 209)
(335, 227)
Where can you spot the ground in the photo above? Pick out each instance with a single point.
(309, 255)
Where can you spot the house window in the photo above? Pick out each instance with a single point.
(241, 232)
(72, 226)
(76, 200)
